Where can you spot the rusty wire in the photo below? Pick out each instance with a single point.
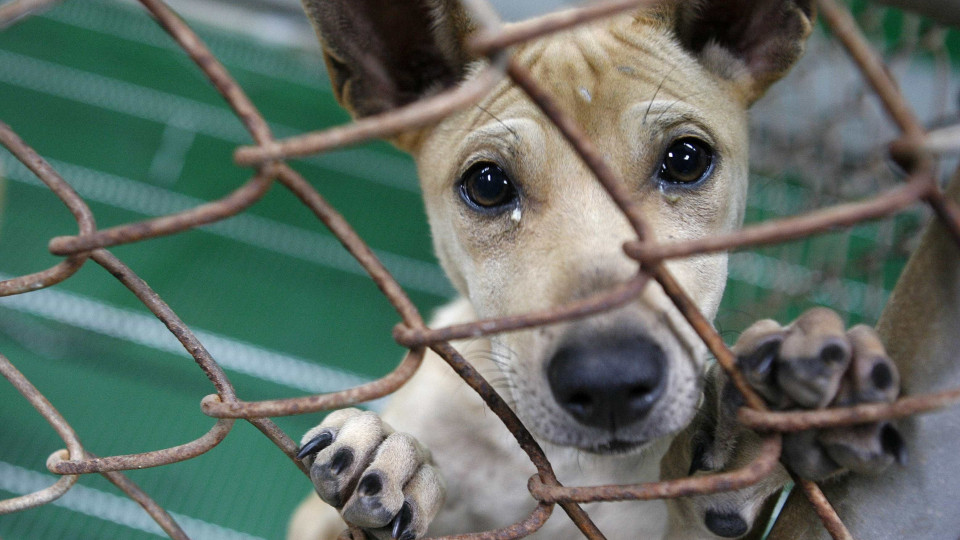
(916, 148)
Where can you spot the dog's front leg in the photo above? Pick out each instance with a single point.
(810, 364)
(378, 479)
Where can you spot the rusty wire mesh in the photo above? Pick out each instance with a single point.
(915, 148)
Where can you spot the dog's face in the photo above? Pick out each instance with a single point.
(520, 224)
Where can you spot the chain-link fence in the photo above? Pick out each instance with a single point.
(915, 148)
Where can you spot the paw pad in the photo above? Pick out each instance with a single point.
(725, 525)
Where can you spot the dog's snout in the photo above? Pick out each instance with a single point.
(608, 383)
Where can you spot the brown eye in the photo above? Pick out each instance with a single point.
(686, 161)
(486, 187)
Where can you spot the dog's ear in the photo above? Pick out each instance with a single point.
(382, 54)
(754, 42)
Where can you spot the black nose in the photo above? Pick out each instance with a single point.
(608, 382)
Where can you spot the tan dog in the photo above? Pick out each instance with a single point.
(520, 224)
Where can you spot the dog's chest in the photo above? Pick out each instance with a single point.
(492, 493)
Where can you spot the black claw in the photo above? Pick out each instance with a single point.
(370, 485)
(341, 460)
(700, 445)
(400, 523)
(893, 444)
(731, 398)
(761, 368)
(315, 444)
(762, 360)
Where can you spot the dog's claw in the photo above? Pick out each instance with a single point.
(399, 528)
(315, 445)
(699, 463)
(893, 444)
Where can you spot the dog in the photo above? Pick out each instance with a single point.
(519, 224)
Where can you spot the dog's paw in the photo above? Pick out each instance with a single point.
(810, 364)
(813, 363)
(380, 480)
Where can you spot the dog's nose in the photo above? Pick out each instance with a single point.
(607, 382)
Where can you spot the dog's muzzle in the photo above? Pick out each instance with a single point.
(608, 382)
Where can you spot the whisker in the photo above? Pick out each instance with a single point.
(656, 92)
(495, 117)
(678, 100)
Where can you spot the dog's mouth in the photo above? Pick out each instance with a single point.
(616, 446)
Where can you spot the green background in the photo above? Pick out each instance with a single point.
(127, 119)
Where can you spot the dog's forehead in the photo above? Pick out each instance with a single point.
(600, 72)
(618, 62)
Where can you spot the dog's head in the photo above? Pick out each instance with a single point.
(520, 224)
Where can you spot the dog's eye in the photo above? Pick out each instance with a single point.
(686, 161)
(486, 186)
